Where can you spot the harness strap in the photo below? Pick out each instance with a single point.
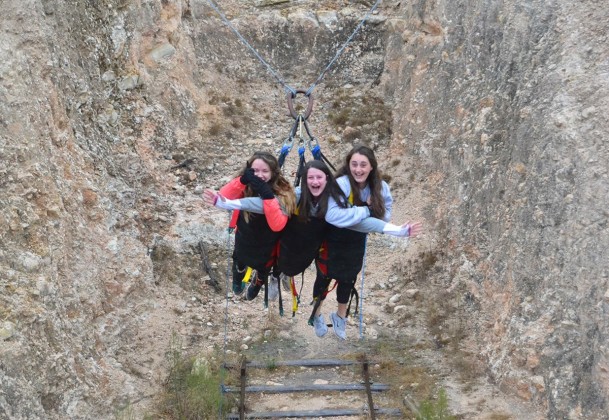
(247, 276)
(295, 297)
(279, 297)
(266, 292)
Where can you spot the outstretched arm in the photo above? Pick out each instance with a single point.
(372, 224)
(345, 217)
(271, 208)
(251, 204)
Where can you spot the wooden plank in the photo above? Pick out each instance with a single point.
(305, 363)
(281, 389)
(368, 389)
(316, 413)
(242, 390)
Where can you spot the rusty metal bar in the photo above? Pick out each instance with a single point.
(366, 374)
(242, 395)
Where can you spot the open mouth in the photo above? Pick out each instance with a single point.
(315, 190)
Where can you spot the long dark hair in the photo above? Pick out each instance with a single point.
(281, 186)
(377, 203)
(332, 189)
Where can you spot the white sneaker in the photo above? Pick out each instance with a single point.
(339, 325)
(320, 326)
(273, 287)
(285, 282)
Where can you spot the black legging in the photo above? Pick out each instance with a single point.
(343, 290)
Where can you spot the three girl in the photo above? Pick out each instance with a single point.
(325, 209)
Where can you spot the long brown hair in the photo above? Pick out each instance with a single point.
(374, 180)
(281, 187)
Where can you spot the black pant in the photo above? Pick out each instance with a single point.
(343, 290)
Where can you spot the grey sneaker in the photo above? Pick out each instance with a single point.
(273, 288)
(339, 325)
(285, 282)
(320, 326)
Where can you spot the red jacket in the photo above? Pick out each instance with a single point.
(272, 209)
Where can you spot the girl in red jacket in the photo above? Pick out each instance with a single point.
(256, 235)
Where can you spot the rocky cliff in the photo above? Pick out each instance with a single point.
(115, 114)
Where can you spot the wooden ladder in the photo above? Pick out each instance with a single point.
(366, 386)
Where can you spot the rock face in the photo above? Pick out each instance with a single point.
(115, 114)
(500, 102)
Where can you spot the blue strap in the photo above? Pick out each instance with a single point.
(316, 152)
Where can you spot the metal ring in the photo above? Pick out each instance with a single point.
(292, 95)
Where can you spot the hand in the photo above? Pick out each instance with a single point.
(213, 198)
(248, 176)
(405, 230)
(210, 197)
(416, 228)
(261, 188)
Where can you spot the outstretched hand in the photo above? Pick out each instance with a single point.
(405, 231)
(416, 228)
(210, 197)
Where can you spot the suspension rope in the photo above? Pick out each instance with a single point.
(361, 299)
(275, 74)
(247, 44)
(226, 285)
(340, 51)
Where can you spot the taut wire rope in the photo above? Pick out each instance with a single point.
(361, 294)
(275, 74)
(252, 49)
(227, 286)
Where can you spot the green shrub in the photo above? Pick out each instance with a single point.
(435, 410)
(192, 389)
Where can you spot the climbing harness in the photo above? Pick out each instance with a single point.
(295, 294)
(353, 294)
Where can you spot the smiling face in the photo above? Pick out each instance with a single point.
(262, 170)
(360, 168)
(316, 181)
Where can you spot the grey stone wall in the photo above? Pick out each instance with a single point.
(503, 103)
